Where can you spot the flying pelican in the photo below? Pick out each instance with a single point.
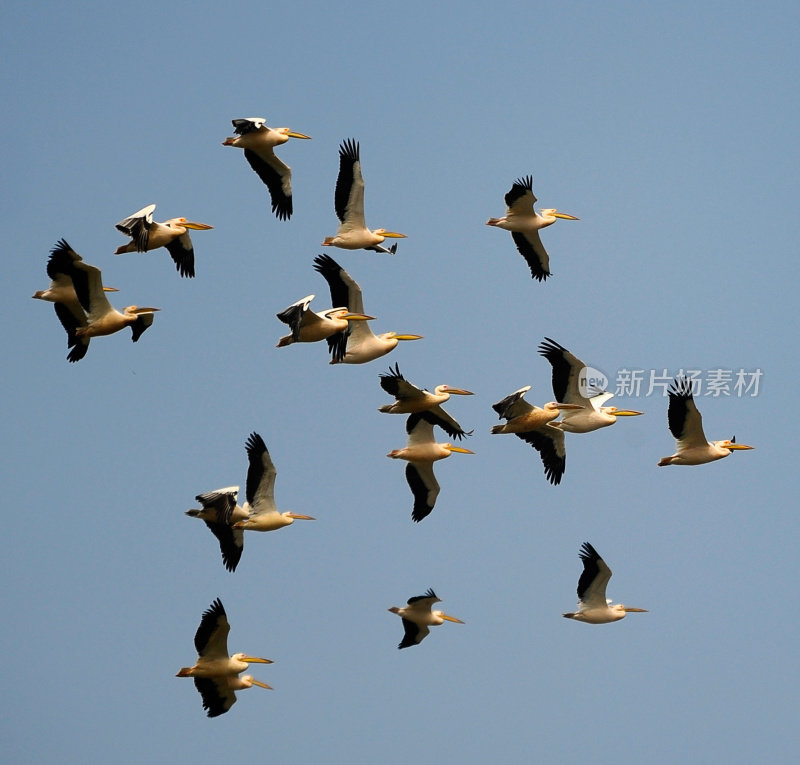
(258, 141)
(262, 515)
(218, 692)
(410, 399)
(593, 608)
(61, 293)
(686, 425)
(421, 452)
(524, 223)
(357, 344)
(100, 318)
(215, 673)
(535, 425)
(220, 512)
(417, 616)
(146, 234)
(353, 233)
(567, 387)
(309, 327)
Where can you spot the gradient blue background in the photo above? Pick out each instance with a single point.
(670, 129)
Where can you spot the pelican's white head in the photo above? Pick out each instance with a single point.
(397, 336)
(388, 234)
(243, 657)
(551, 212)
(183, 223)
(452, 391)
(291, 134)
(246, 681)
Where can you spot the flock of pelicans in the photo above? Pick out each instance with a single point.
(82, 306)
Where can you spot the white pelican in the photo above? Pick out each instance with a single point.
(411, 399)
(101, 318)
(220, 512)
(258, 141)
(524, 223)
(309, 327)
(218, 692)
(686, 425)
(61, 293)
(353, 233)
(593, 608)
(421, 452)
(417, 616)
(535, 425)
(147, 234)
(567, 370)
(357, 344)
(260, 490)
(215, 673)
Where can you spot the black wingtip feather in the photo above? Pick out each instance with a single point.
(349, 149)
(208, 624)
(588, 553)
(429, 594)
(519, 188)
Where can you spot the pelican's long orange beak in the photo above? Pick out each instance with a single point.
(564, 216)
(257, 660)
(196, 226)
(449, 618)
(260, 684)
(459, 449)
(300, 517)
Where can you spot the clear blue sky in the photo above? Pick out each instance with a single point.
(670, 129)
